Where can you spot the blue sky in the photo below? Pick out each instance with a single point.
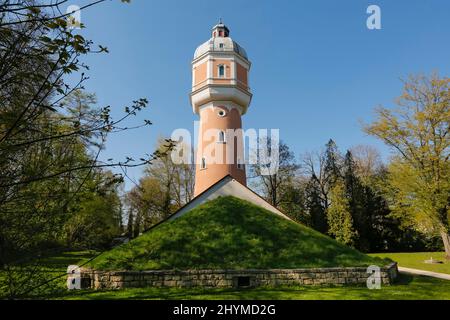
(317, 71)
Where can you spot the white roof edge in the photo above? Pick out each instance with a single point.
(228, 187)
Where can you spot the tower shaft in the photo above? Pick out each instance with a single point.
(220, 96)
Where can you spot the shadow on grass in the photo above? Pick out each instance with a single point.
(404, 279)
(64, 259)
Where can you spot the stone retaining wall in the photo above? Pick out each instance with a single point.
(231, 278)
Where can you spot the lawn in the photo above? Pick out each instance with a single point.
(230, 233)
(415, 260)
(407, 288)
(46, 275)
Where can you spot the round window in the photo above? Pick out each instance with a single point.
(222, 113)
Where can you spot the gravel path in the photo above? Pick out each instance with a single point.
(425, 273)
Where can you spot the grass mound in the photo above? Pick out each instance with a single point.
(230, 233)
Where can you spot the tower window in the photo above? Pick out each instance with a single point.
(240, 164)
(221, 45)
(221, 71)
(222, 113)
(221, 137)
(203, 164)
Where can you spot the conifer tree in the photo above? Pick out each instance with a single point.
(340, 221)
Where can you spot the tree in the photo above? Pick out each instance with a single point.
(130, 223)
(177, 180)
(359, 200)
(51, 135)
(418, 130)
(315, 206)
(96, 217)
(340, 220)
(367, 161)
(292, 201)
(274, 183)
(165, 188)
(325, 168)
(332, 163)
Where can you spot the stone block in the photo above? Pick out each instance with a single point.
(226, 278)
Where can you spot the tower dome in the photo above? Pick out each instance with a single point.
(220, 41)
(220, 71)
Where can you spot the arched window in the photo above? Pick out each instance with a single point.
(221, 138)
(203, 164)
(221, 71)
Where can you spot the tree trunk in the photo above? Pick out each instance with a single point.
(446, 239)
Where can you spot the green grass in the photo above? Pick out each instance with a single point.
(231, 233)
(415, 260)
(47, 274)
(406, 288)
(62, 260)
